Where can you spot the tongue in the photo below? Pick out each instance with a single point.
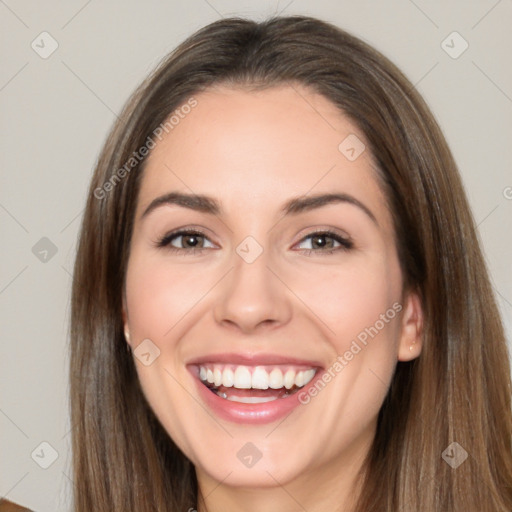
(278, 393)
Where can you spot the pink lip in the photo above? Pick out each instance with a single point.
(254, 414)
(251, 359)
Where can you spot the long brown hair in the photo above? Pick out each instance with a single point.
(458, 390)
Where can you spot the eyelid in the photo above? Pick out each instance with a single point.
(326, 230)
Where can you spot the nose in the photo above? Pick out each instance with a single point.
(253, 297)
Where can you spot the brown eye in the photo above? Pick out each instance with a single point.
(185, 240)
(190, 240)
(326, 241)
(321, 241)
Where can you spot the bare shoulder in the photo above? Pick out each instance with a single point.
(9, 506)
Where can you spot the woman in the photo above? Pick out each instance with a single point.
(279, 299)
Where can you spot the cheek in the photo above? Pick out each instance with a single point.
(158, 295)
(352, 296)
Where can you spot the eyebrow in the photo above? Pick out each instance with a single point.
(294, 206)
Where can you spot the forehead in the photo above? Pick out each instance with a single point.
(255, 149)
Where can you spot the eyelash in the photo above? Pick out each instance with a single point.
(345, 243)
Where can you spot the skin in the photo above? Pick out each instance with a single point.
(253, 151)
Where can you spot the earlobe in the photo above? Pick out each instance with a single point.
(127, 337)
(411, 335)
(125, 324)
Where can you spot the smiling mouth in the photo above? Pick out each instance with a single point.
(254, 384)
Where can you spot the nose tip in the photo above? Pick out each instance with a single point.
(252, 298)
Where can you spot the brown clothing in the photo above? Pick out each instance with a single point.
(9, 506)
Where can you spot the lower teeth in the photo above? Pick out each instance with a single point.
(248, 399)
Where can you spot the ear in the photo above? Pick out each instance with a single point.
(411, 336)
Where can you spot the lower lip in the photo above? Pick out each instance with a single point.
(255, 414)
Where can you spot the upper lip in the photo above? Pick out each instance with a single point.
(260, 359)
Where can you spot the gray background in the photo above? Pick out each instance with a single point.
(56, 113)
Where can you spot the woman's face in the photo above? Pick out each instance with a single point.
(255, 295)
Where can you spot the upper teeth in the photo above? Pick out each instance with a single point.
(258, 377)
